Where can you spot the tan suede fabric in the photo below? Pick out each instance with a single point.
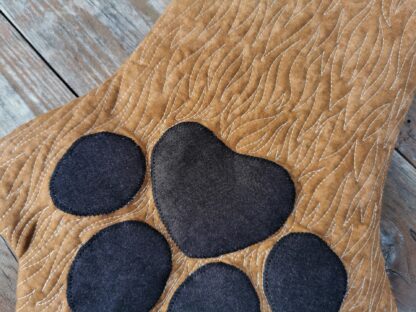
(318, 86)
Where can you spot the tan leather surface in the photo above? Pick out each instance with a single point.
(318, 86)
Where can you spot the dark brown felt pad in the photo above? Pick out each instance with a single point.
(216, 287)
(122, 268)
(303, 274)
(213, 200)
(98, 174)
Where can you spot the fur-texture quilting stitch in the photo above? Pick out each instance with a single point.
(319, 87)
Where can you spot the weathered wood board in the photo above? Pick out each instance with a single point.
(406, 143)
(8, 276)
(398, 229)
(84, 41)
(28, 86)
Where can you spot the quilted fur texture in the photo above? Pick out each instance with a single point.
(317, 86)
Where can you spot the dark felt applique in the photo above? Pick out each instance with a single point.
(215, 201)
(122, 268)
(303, 274)
(216, 287)
(99, 174)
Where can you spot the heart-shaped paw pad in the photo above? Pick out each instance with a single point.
(215, 201)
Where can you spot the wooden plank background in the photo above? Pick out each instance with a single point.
(44, 65)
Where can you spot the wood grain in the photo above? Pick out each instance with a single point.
(106, 33)
(94, 39)
(27, 86)
(8, 276)
(406, 143)
(398, 231)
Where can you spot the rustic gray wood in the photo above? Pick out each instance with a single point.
(8, 276)
(406, 143)
(398, 229)
(27, 86)
(85, 41)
